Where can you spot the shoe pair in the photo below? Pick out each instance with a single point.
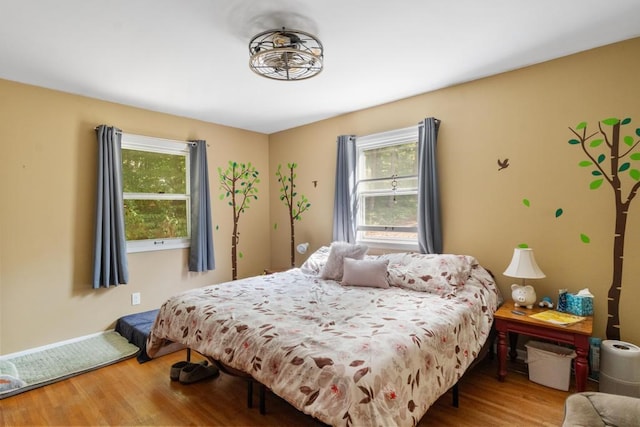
(188, 373)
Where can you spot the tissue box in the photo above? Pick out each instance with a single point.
(579, 305)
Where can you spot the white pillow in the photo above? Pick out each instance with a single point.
(436, 273)
(316, 261)
(365, 272)
(334, 266)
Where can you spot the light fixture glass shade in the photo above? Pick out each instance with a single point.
(286, 54)
(302, 248)
(523, 265)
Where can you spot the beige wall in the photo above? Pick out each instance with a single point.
(47, 191)
(522, 115)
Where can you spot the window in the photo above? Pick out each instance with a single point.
(156, 193)
(387, 189)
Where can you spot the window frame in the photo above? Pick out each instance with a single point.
(162, 146)
(375, 141)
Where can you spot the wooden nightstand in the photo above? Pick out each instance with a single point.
(577, 335)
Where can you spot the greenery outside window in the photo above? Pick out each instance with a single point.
(156, 193)
(387, 189)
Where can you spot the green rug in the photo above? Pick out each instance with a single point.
(27, 371)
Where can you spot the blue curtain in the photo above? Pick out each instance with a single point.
(429, 222)
(345, 203)
(110, 251)
(201, 252)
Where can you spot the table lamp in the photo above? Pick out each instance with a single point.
(523, 266)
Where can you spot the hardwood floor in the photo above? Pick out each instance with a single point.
(129, 393)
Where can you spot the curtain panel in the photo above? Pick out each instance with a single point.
(201, 256)
(429, 221)
(345, 202)
(110, 265)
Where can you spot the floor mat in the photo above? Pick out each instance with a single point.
(27, 371)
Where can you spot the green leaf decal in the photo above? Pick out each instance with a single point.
(523, 245)
(585, 163)
(275, 226)
(628, 140)
(574, 141)
(240, 255)
(585, 238)
(217, 227)
(623, 167)
(596, 184)
(596, 173)
(601, 158)
(526, 202)
(638, 131)
(626, 121)
(635, 174)
(611, 121)
(581, 125)
(596, 142)
(635, 156)
(559, 212)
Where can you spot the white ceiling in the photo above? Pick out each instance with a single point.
(190, 57)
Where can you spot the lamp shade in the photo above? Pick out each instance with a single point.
(523, 265)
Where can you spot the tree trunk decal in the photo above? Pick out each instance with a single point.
(238, 182)
(599, 146)
(296, 208)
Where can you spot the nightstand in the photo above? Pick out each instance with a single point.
(577, 335)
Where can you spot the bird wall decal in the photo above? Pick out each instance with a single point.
(503, 164)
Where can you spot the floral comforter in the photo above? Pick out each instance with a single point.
(348, 356)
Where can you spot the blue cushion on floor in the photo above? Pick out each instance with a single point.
(136, 327)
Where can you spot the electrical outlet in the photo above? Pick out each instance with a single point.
(135, 298)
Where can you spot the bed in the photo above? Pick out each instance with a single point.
(347, 338)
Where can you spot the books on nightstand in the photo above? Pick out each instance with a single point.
(557, 317)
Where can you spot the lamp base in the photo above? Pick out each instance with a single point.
(523, 296)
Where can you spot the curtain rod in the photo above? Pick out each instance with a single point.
(192, 143)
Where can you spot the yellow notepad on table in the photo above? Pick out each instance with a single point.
(557, 317)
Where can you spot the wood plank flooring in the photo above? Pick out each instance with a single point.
(132, 394)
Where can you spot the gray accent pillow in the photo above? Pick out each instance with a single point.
(334, 267)
(365, 272)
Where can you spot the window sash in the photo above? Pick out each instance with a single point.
(395, 228)
(163, 146)
(154, 196)
(381, 186)
(408, 242)
(394, 222)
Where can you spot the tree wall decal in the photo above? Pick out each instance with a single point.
(238, 182)
(288, 195)
(610, 155)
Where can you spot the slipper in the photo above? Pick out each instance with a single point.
(197, 372)
(174, 374)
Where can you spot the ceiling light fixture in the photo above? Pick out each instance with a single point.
(286, 54)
